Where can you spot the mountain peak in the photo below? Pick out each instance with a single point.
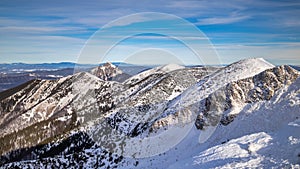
(254, 61)
(170, 67)
(106, 71)
(108, 64)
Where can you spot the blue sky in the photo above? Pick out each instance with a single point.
(36, 31)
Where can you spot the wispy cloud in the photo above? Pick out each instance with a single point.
(34, 29)
(221, 20)
(124, 21)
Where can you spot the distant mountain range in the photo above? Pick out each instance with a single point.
(12, 75)
(243, 115)
(61, 65)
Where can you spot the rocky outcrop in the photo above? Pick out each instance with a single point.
(225, 103)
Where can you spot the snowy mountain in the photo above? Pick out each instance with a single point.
(239, 116)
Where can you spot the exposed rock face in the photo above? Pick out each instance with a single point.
(236, 94)
(107, 71)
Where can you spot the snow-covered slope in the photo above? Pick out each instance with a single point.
(191, 99)
(238, 70)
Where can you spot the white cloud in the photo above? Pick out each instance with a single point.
(128, 20)
(35, 29)
(221, 20)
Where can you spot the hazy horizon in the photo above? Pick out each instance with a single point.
(120, 62)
